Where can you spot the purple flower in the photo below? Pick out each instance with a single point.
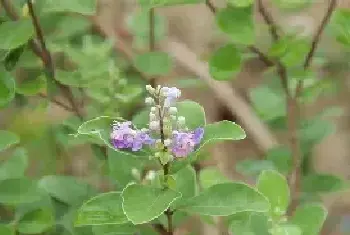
(124, 137)
(183, 143)
(170, 94)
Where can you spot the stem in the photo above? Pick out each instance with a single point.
(152, 38)
(210, 6)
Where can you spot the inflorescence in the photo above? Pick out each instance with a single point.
(167, 132)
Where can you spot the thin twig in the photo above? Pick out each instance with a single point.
(315, 42)
(269, 21)
(264, 58)
(210, 6)
(152, 38)
(58, 103)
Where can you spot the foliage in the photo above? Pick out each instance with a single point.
(50, 58)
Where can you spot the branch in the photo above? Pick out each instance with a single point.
(316, 40)
(264, 58)
(58, 103)
(210, 6)
(268, 20)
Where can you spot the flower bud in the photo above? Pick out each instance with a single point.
(149, 101)
(152, 117)
(164, 91)
(150, 89)
(153, 109)
(167, 142)
(151, 175)
(173, 110)
(181, 121)
(154, 125)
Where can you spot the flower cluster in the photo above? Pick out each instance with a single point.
(166, 130)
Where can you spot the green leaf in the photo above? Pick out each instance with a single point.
(323, 183)
(142, 203)
(227, 199)
(221, 131)
(154, 63)
(103, 209)
(310, 218)
(186, 184)
(18, 191)
(87, 7)
(159, 3)
(225, 62)
(268, 104)
(238, 24)
(281, 158)
(316, 129)
(210, 176)
(293, 5)
(251, 167)
(15, 33)
(340, 27)
(7, 87)
(275, 188)
(7, 139)
(121, 166)
(35, 222)
(248, 223)
(31, 87)
(6, 229)
(241, 3)
(66, 189)
(15, 166)
(125, 229)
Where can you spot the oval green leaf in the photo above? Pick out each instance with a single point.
(103, 209)
(275, 188)
(15, 33)
(154, 63)
(36, 222)
(7, 87)
(86, 7)
(227, 199)
(142, 203)
(310, 218)
(15, 166)
(225, 63)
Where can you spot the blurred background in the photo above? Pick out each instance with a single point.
(98, 71)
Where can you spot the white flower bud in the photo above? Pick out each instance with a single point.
(164, 91)
(151, 175)
(150, 89)
(173, 118)
(181, 120)
(167, 142)
(154, 125)
(152, 117)
(153, 109)
(173, 110)
(135, 172)
(149, 100)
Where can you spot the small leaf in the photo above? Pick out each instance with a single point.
(237, 23)
(221, 131)
(142, 203)
(7, 139)
(66, 189)
(31, 87)
(15, 33)
(227, 199)
(210, 176)
(87, 7)
(225, 63)
(18, 191)
(154, 63)
(103, 209)
(281, 158)
(323, 183)
(275, 188)
(15, 166)
(286, 229)
(35, 222)
(7, 87)
(310, 218)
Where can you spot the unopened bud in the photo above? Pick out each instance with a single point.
(167, 142)
(151, 175)
(150, 89)
(149, 101)
(152, 117)
(153, 109)
(154, 125)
